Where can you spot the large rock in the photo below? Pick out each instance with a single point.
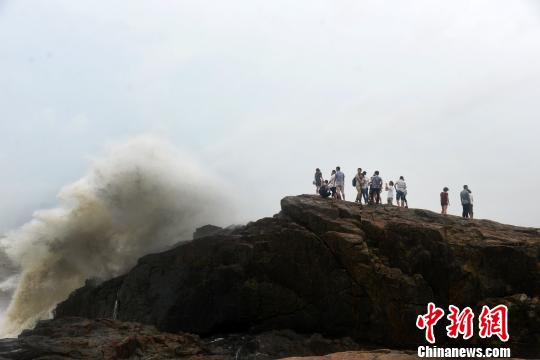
(79, 338)
(206, 230)
(330, 267)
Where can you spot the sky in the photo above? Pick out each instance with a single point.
(261, 93)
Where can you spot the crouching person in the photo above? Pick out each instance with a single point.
(324, 190)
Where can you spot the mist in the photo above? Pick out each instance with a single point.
(141, 197)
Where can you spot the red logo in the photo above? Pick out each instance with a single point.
(491, 322)
(429, 320)
(494, 322)
(460, 322)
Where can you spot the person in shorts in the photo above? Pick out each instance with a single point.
(340, 184)
(375, 188)
(390, 193)
(401, 192)
(445, 201)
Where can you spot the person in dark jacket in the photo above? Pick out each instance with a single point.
(324, 190)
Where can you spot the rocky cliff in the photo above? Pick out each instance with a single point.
(334, 268)
(79, 338)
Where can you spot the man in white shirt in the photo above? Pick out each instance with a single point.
(401, 191)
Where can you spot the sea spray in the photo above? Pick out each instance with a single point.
(142, 197)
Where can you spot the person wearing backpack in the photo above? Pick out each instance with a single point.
(357, 183)
(401, 192)
(340, 184)
(445, 202)
(375, 189)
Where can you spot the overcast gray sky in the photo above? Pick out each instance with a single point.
(262, 92)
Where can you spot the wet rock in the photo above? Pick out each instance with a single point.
(329, 267)
(206, 230)
(79, 338)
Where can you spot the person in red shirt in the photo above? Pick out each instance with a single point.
(444, 201)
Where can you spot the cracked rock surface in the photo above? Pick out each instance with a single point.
(330, 267)
(79, 338)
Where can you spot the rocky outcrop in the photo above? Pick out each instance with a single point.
(78, 338)
(206, 230)
(334, 268)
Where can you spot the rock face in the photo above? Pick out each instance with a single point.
(78, 338)
(206, 230)
(334, 268)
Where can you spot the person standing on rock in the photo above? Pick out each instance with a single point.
(471, 206)
(324, 191)
(357, 183)
(340, 183)
(332, 183)
(365, 187)
(444, 201)
(375, 189)
(318, 180)
(465, 196)
(401, 192)
(390, 191)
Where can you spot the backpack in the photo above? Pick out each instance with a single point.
(354, 181)
(377, 182)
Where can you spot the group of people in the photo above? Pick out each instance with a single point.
(368, 188)
(335, 187)
(466, 201)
